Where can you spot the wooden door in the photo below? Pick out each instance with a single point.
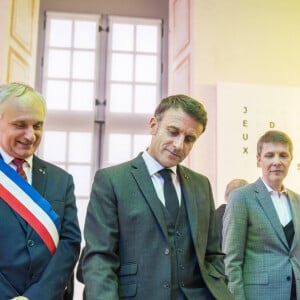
(19, 51)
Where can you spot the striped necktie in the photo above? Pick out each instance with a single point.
(18, 162)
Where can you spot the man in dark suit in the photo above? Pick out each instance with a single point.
(39, 236)
(137, 247)
(231, 186)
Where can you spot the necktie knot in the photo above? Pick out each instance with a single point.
(18, 162)
(166, 174)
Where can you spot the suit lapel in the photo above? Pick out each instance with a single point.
(189, 196)
(265, 201)
(295, 207)
(39, 175)
(141, 175)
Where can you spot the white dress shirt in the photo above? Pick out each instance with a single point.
(27, 166)
(154, 167)
(281, 204)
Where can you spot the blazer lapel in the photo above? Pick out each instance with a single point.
(295, 207)
(265, 201)
(39, 175)
(141, 175)
(189, 195)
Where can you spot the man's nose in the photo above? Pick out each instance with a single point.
(29, 133)
(277, 160)
(179, 141)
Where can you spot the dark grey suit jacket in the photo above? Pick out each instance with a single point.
(26, 266)
(127, 252)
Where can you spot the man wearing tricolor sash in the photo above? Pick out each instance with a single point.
(39, 232)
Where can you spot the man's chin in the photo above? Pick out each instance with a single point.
(24, 153)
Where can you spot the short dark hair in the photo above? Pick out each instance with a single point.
(274, 136)
(187, 104)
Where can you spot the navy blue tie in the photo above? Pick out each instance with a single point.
(171, 199)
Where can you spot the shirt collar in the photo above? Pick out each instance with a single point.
(7, 158)
(153, 165)
(270, 190)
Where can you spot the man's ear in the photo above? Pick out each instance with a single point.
(153, 125)
(258, 161)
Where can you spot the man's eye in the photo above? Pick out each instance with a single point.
(19, 125)
(173, 132)
(190, 139)
(38, 127)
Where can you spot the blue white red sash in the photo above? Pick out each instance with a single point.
(30, 205)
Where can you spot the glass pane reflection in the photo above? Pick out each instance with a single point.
(117, 142)
(146, 68)
(146, 38)
(85, 34)
(60, 33)
(122, 37)
(121, 98)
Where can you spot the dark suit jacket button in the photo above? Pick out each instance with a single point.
(166, 285)
(167, 251)
(30, 243)
(288, 278)
(178, 233)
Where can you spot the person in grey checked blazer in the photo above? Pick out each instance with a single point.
(261, 230)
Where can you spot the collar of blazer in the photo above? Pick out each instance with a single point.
(191, 190)
(39, 174)
(265, 201)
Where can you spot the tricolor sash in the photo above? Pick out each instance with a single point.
(30, 205)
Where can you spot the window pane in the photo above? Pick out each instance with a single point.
(54, 140)
(122, 37)
(83, 65)
(145, 99)
(121, 67)
(146, 38)
(80, 147)
(140, 143)
(82, 179)
(59, 63)
(115, 143)
(121, 98)
(85, 34)
(60, 33)
(143, 63)
(57, 94)
(82, 96)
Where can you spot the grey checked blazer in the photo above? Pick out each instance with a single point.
(259, 263)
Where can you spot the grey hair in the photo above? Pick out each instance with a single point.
(16, 90)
